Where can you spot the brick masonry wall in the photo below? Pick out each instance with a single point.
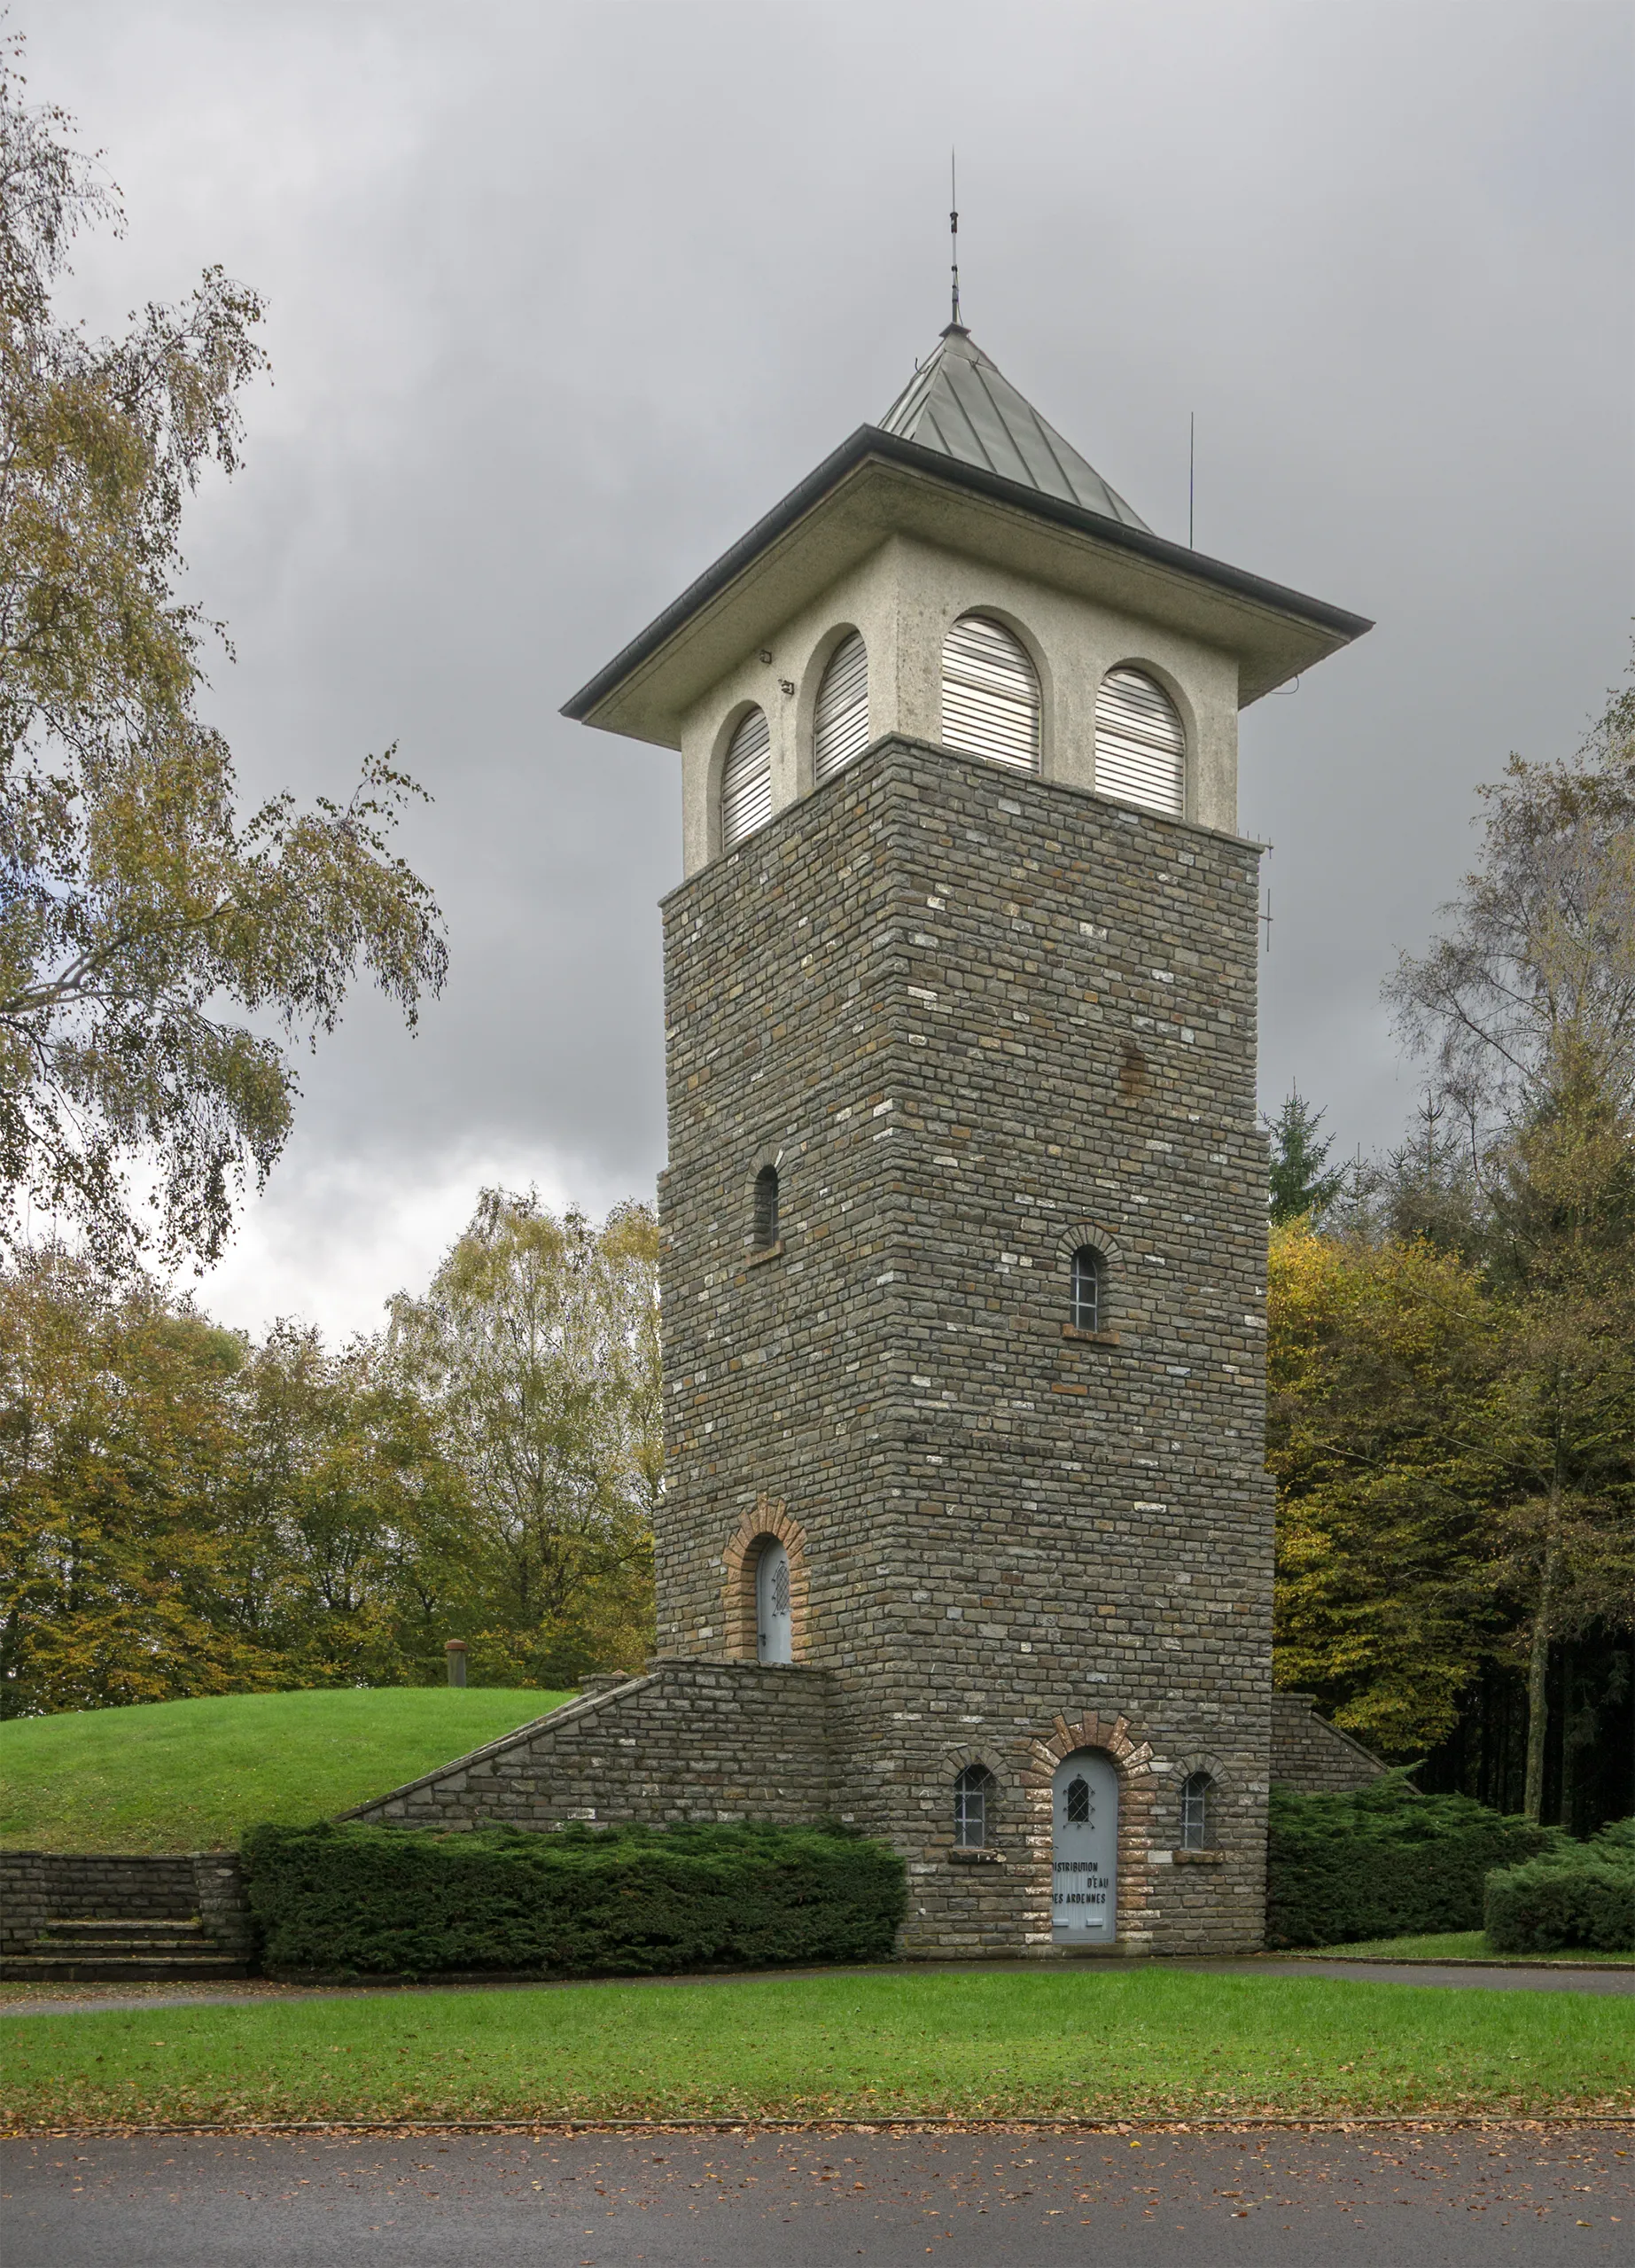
(975, 1020)
(1314, 1757)
(41, 1886)
(691, 1739)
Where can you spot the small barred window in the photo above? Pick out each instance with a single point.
(974, 1792)
(764, 1225)
(1078, 1803)
(1085, 1301)
(1197, 1812)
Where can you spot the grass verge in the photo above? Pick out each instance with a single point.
(1141, 2043)
(1452, 1944)
(191, 1775)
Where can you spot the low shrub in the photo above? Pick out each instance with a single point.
(1580, 1895)
(1385, 1862)
(357, 1901)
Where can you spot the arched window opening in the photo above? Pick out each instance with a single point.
(746, 781)
(775, 1618)
(1141, 748)
(840, 728)
(990, 695)
(765, 1228)
(1085, 1301)
(974, 1794)
(1197, 1812)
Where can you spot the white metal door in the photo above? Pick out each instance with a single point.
(774, 1621)
(1084, 1895)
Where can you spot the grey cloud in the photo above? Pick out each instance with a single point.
(565, 297)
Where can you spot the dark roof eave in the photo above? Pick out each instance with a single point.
(867, 441)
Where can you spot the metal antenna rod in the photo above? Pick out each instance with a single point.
(1192, 467)
(954, 231)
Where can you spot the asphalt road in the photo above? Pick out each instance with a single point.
(1100, 2201)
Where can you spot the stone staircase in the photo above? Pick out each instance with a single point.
(69, 1951)
(73, 1920)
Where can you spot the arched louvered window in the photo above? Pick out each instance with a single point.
(1085, 1290)
(840, 728)
(1141, 748)
(746, 781)
(990, 695)
(974, 1792)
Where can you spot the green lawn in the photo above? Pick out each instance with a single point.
(1455, 1944)
(191, 1775)
(1146, 2042)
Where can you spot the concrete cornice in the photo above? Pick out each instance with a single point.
(877, 485)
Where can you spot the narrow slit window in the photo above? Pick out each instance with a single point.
(1085, 1300)
(840, 728)
(1141, 748)
(746, 781)
(764, 1227)
(1197, 1812)
(990, 695)
(974, 1792)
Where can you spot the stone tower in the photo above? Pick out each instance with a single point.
(964, 1220)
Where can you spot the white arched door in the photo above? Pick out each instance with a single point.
(774, 1622)
(1084, 1883)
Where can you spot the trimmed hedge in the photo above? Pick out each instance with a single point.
(1385, 1862)
(631, 1901)
(1580, 1896)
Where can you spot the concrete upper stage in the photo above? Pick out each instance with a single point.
(896, 540)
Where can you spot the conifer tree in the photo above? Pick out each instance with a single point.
(1299, 1184)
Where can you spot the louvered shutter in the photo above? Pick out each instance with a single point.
(840, 729)
(746, 781)
(990, 695)
(1141, 750)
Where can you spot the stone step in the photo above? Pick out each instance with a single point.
(159, 1945)
(131, 1969)
(180, 1929)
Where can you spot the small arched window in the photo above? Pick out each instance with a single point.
(746, 781)
(1085, 1301)
(974, 1794)
(990, 694)
(764, 1228)
(774, 1614)
(840, 728)
(1197, 1812)
(1141, 748)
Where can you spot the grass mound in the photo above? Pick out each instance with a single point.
(192, 1775)
(1145, 2043)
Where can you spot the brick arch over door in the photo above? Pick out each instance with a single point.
(1132, 1757)
(767, 1519)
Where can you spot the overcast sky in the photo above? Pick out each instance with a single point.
(563, 297)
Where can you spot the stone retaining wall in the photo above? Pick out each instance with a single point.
(41, 1886)
(1314, 1757)
(690, 1740)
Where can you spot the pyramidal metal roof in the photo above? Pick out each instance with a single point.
(962, 404)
